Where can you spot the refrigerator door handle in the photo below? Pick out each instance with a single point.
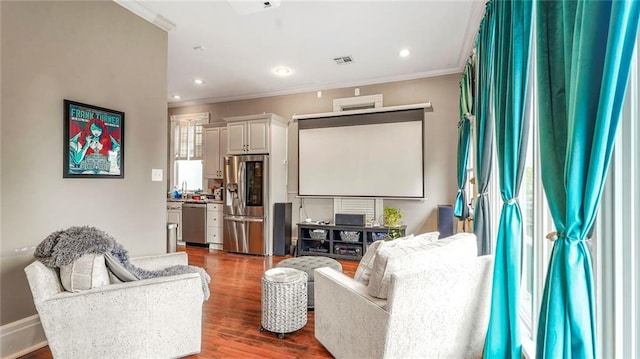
(242, 168)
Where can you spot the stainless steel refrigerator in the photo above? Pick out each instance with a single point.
(245, 201)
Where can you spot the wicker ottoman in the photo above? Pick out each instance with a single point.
(284, 300)
(308, 264)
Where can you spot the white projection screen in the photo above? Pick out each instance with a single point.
(366, 155)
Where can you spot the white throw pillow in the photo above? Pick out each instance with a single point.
(86, 272)
(366, 263)
(363, 272)
(395, 259)
(426, 238)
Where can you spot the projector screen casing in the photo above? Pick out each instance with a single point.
(377, 154)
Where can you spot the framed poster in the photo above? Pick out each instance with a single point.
(93, 141)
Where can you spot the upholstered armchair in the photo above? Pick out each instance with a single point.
(430, 303)
(151, 318)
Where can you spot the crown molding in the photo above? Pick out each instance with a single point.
(145, 12)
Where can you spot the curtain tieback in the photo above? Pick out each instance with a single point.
(511, 201)
(466, 117)
(482, 194)
(460, 190)
(552, 236)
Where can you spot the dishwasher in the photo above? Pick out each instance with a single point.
(194, 222)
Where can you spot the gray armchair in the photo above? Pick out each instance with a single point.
(151, 318)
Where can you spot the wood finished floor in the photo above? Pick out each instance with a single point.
(232, 315)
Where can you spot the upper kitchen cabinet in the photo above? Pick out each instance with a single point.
(252, 134)
(215, 148)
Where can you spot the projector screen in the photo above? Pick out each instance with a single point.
(367, 155)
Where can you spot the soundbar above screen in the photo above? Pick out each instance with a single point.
(365, 155)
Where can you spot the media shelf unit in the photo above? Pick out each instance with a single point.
(333, 246)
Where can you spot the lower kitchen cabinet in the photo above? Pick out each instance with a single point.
(214, 225)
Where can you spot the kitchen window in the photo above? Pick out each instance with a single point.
(187, 150)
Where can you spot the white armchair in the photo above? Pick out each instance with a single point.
(438, 310)
(151, 318)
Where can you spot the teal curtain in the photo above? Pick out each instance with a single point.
(484, 124)
(584, 51)
(461, 209)
(511, 72)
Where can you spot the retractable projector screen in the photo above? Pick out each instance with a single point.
(365, 155)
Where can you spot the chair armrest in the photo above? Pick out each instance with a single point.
(141, 313)
(348, 322)
(122, 288)
(161, 261)
(43, 281)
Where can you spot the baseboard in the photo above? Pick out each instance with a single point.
(21, 337)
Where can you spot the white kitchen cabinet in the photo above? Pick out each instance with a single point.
(250, 134)
(214, 225)
(236, 132)
(174, 215)
(258, 136)
(215, 148)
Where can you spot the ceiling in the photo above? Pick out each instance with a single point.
(235, 46)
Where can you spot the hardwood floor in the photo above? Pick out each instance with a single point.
(232, 315)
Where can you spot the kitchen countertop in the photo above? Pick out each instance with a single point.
(193, 201)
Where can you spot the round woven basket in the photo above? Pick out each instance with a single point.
(284, 300)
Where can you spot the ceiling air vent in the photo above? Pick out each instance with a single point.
(244, 7)
(343, 60)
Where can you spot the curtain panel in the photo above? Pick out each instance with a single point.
(512, 121)
(583, 58)
(461, 209)
(484, 125)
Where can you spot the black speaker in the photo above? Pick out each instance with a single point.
(350, 219)
(445, 220)
(281, 228)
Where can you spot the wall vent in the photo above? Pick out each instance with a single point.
(343, 60)
(357, 103)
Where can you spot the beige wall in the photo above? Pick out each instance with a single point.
(440, 138)
(94, 52)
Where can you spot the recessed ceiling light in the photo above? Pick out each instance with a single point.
(198, 81)
(177, 97)
(404, 52)
(282, 71)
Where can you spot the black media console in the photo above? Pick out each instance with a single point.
(342, 242)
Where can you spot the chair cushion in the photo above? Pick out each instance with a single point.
(395, 259)
(87, 272)
(365, 267)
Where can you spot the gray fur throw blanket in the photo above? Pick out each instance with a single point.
(63, 247)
